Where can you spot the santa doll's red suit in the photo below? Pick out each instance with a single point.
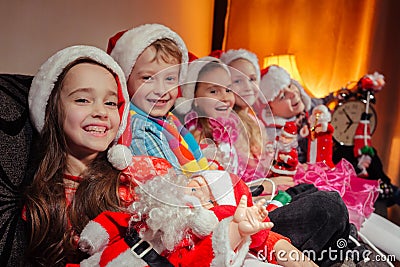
(205, 244)
(286, 158)
(368, 84)
(362, 136)
(319, 135)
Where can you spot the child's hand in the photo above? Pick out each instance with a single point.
(251, 219)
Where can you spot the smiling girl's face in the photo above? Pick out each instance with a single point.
(244, 82)
(213, 96)
(89, 97)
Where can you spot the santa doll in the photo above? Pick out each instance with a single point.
(286, 158)
(363, 151)
(209, 221)
(319, 134)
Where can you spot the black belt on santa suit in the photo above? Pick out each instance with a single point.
(144, 250)
(282, 164)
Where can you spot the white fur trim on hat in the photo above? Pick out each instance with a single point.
(44, 81)
(274, 81)
(232, 54)
(284, 133)
(134, 41)
(184, 104)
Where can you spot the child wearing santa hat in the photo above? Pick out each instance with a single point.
(154, 60)
(245, 64)
(303, 207)
(254, 157)
(78, 104)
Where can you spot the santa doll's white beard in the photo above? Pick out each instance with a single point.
(286, 147)
(169, 219)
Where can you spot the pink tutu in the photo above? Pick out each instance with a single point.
(358, 194)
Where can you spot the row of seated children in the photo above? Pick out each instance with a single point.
(79, 105)
(157, 132)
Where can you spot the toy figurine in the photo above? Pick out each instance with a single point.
(363, 151)
(319, 134)
(286, 158)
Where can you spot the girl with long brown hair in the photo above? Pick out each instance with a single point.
(78, 103)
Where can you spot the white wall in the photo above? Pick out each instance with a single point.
(33, 30)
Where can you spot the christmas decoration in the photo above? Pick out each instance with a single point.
(367, 85)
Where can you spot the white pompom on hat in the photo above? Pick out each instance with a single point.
(274, 78)
(44, 81)
(119, 156)
(234, 54)
(125, 47)
(184, 103)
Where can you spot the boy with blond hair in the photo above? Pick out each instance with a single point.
(154, 60)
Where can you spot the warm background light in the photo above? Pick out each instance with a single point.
(288, 62)
(33, 30)
(335, 42)
(331, 39)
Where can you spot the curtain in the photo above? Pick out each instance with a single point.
(330, 39)
(335, 42)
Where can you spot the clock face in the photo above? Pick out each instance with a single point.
(346, 118)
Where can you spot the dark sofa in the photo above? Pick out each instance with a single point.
(16, 135)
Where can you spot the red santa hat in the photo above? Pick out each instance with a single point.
(44, 81)
(192, 56)
(374, 82)
(290, 129)
(216, 53)
(183, 104)
(274, 78)
(126, 46)
(231, 55)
